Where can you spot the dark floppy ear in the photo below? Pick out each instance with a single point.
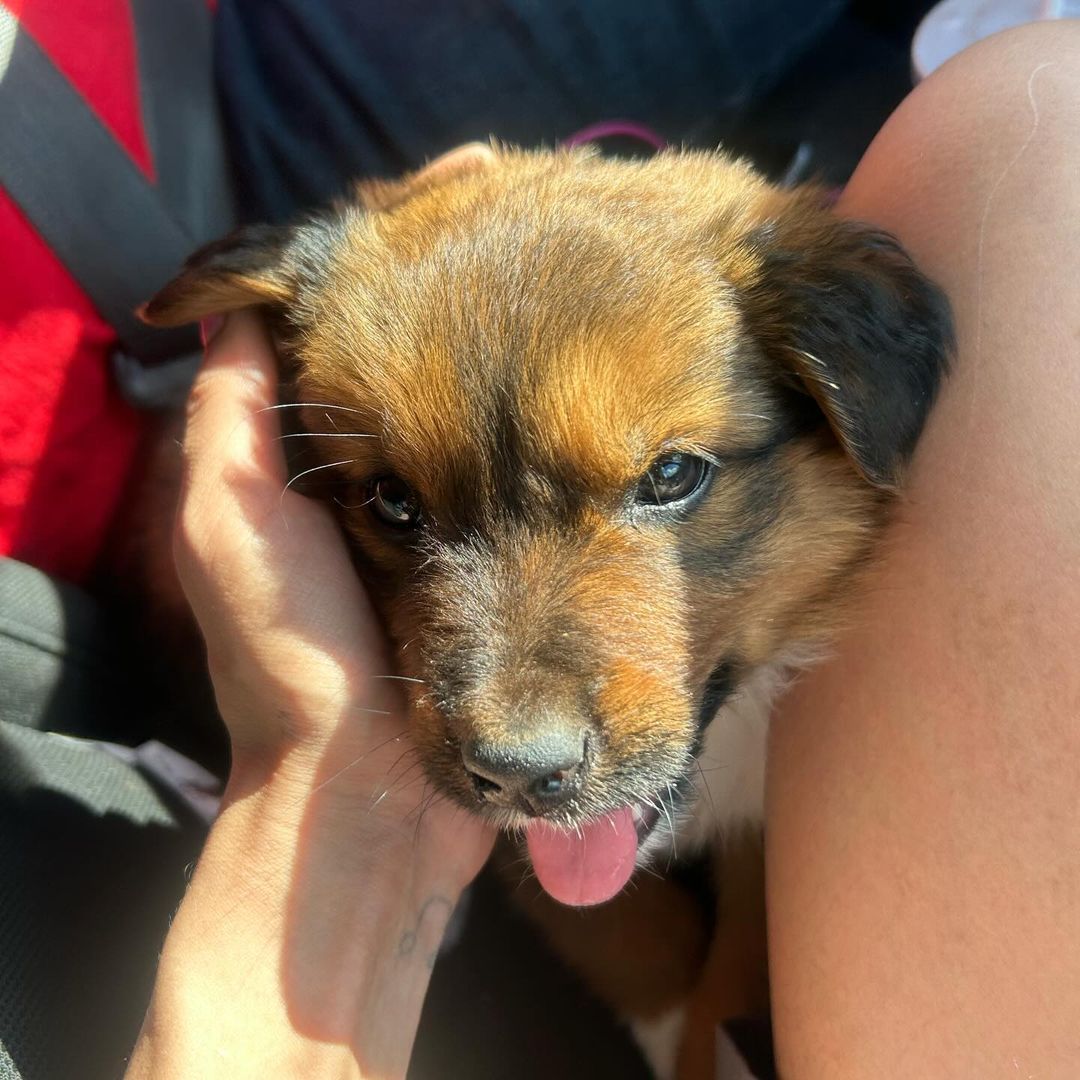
(841, 306)
(255, 265)
(269, 264)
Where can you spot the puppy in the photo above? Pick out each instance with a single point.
(630, 432)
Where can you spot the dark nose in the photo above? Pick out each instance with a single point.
(542, 771)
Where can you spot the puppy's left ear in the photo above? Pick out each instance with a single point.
(841, 307)
(260, 265)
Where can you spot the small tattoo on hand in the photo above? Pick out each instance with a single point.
(407, 944)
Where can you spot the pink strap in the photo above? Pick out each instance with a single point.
(606, 129)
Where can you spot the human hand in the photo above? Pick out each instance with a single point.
(308, 933)
(298, 659)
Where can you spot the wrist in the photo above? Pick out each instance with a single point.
(316, 925)
(287, 835)
(370, 798)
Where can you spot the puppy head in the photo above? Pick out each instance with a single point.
(627, 431)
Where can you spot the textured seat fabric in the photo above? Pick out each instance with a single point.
(60, 667)
(92, 855)
(93, 863)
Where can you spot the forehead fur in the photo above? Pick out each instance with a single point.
(559, 306)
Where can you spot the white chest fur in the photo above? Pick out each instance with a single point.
(729, 777)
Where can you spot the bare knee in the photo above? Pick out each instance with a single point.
(977, 174)
(1013, 95)
(988, 88)
(1016, 50)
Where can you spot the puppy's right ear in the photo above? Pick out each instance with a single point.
(249, 267)
(474, 157)
(849, 319)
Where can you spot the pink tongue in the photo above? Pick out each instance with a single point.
(588, 868)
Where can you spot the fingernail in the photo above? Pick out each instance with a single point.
(209, 327)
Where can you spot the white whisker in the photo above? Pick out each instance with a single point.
(355, 761)
(327, 435)
(314, 468)
(354, 506)
(662, 811)
(671, 824)
(401, 678)
(705, 783)
(400, 782)
(305, 405)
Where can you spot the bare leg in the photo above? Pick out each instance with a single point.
(924, 806)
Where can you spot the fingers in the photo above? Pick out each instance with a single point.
(238, 527)
(233, 467)
(232, 426)
(265, 569)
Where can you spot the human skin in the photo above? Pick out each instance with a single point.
(924, 785)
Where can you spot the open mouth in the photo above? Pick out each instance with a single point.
(592, 863)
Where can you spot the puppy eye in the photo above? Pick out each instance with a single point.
(671, 478)
(395, 503)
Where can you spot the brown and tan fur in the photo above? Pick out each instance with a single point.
(523, 334)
